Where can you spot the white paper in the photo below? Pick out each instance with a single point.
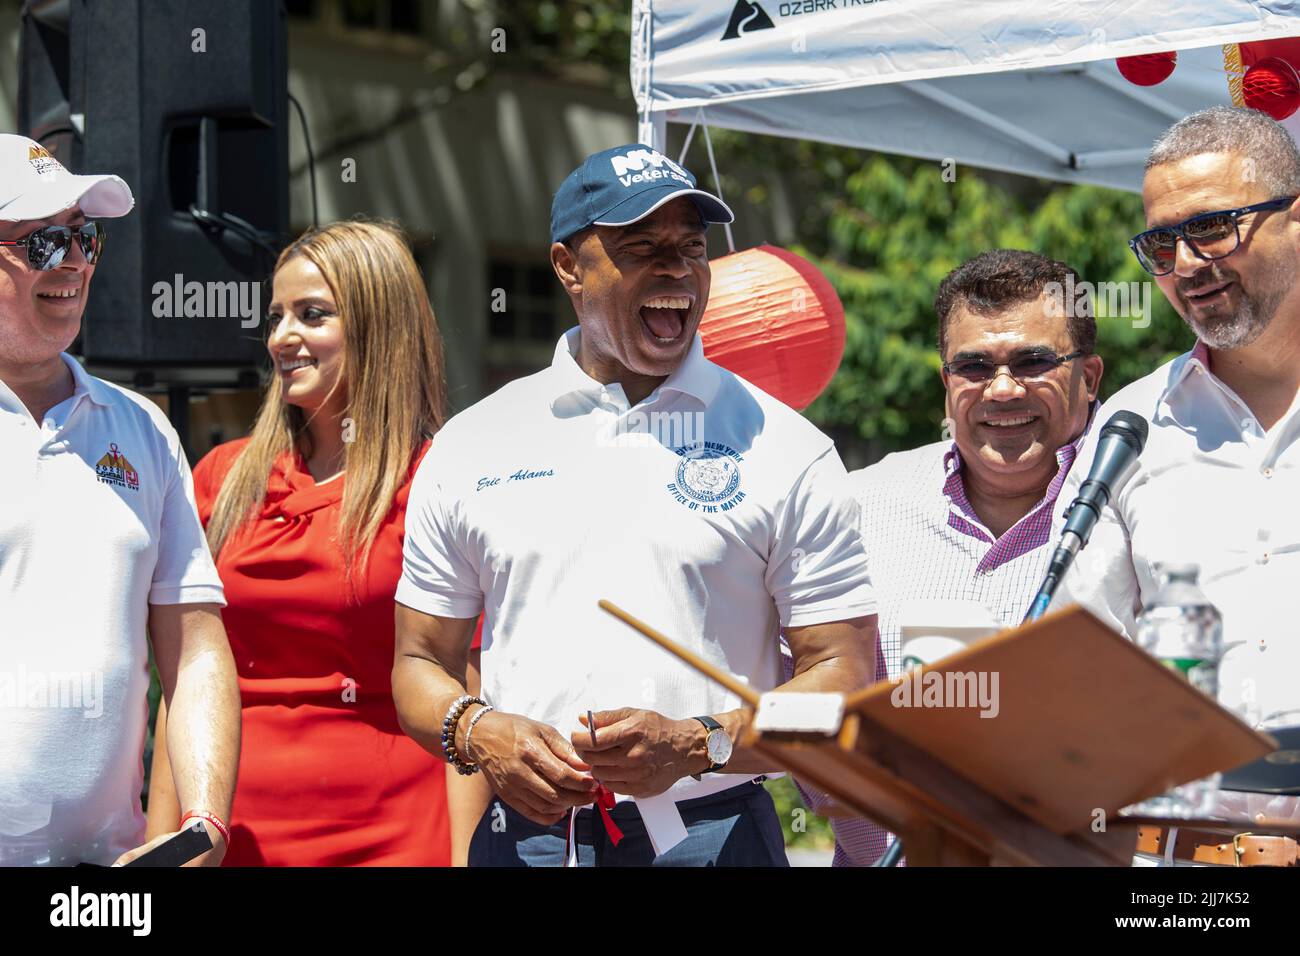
(799, 712)
(663, 821)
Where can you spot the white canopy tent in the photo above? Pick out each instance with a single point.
(1025, 87)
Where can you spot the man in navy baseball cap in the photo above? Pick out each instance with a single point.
(623, 185)
(628, 244)
(633, 469)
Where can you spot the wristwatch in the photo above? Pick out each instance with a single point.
(717, 745)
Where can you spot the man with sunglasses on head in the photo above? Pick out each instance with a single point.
(101, 557)
(971, 519)
(1218, 482)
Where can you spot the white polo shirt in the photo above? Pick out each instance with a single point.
(97, 523)
(711, 511)
(1212, 488)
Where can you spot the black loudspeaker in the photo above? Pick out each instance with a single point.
(186, 100)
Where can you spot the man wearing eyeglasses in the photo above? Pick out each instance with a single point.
(971, 519)
(1218, 482)
(100, 551)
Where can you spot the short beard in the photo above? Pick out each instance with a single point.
(1239, 330)
(1250, 320)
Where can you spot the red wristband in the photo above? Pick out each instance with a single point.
(208, 818)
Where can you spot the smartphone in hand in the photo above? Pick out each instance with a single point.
(186, 845)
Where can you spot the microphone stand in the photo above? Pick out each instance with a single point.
(1062, 558)
(1120, 444)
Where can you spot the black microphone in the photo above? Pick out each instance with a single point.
(1121, 441)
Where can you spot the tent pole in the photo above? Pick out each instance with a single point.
(650, 130)
(1012, 131)
(1127, 89)
(717, 180)
(1098, 158)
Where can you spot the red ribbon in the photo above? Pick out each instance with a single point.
(604, 803)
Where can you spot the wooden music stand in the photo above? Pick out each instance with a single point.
(1086, 723)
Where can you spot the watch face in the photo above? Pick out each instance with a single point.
(719, 745)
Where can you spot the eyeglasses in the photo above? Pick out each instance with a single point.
(1210, 236)
(48, 246)
(1031, 366)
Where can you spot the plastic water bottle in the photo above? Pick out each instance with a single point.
(1184, 631)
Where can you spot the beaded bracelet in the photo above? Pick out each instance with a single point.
(469, 756)
(454, 713)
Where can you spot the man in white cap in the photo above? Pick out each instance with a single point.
(101, 556)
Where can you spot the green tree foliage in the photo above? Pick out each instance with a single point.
(576, 38)
(802, 828)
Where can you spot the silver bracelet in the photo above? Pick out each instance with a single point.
(470, 729)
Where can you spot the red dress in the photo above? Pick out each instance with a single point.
(326, 775)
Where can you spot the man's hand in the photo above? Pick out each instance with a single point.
(212, 858)
(531, 766)
(641, 753)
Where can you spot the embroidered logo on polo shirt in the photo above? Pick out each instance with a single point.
(114, 469)
(708, 477)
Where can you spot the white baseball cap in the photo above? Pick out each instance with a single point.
(34, 185)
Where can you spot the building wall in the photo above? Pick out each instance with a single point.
(8, 65)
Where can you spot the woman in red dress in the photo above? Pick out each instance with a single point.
(306, 519)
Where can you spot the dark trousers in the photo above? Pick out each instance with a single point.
(735, 827)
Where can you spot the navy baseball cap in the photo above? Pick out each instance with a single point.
(623, 185)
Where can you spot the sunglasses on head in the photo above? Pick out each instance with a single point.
(1028, 366)
(48, 246)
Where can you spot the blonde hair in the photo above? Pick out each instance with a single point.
(392, 374)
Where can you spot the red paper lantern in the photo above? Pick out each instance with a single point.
(1147, 69)
(1271, 86)
(774, 320)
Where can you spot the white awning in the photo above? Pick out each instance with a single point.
(1026, 87)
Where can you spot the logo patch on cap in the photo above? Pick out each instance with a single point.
(46, 166)
(622, 185)
(630, 167)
